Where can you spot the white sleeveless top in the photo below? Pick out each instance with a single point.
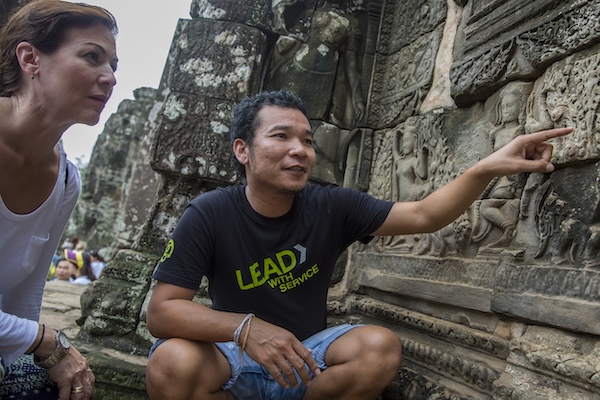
(27, 244)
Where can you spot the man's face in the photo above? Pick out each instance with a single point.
(282, 157)
(63, 270)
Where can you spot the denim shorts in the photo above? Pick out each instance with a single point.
(250, 381)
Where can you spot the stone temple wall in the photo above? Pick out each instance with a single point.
(404, 95)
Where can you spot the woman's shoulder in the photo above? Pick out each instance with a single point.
(72, 176)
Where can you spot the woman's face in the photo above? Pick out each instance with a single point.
(74, 83)
(510, 108)
(408, 141)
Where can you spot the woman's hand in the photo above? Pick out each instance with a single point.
(73, 376)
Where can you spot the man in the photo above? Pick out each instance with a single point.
(268, 249)
(63, 269)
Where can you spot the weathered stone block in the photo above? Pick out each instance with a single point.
(117, 375)
(562, 297)
(215, 65)
(256, 13)
(112, 304)
(551, 364)
(455, 282)
(193, 138)
(216, 59)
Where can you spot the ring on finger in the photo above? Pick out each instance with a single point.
(77, 389)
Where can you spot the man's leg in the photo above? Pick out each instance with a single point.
(187, 370)
(361, 364)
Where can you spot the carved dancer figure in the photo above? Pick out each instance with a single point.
(410, 165)
(266, 335)
(311, 65)
(500, 205)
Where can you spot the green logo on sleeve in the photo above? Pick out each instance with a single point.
(168, 251)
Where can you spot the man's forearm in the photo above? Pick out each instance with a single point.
(189, 320)
(447, 203)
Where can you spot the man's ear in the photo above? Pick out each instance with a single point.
(240, 149)
(27, 56)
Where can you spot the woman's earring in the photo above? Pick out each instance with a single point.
(33, 75)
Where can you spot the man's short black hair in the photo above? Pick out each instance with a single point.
(244, 121)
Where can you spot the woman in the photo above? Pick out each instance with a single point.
(81, 267)
(97, 263)
(57, 63)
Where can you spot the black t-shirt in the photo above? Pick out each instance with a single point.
(277, 268)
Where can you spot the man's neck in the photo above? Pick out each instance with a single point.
(269, 205)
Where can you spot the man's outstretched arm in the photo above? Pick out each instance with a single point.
(525, 153)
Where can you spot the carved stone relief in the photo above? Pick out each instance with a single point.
(402, 80)
(568, 94)
(412, 161)
(407, 20)
(502, 41)
(322, 55)
(496, 214)
(431, 345)
(343, 157)
(104, 215)
(319, 57)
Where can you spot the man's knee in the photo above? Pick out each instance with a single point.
(385, 346)
(173, 360)
(179, 363)
(376, 348)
